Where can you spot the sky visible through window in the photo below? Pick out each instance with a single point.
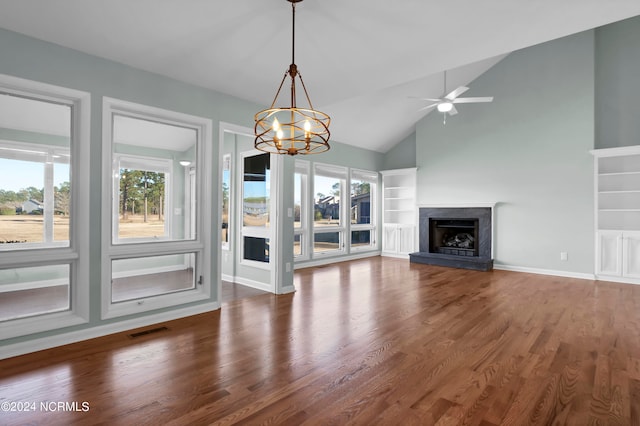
(17, 175)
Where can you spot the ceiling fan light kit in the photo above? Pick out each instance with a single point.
(292, 130)
(446, 105)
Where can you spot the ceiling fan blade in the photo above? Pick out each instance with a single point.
(453, 111)
(459, 91)
(472, 100)
(425, 99)
(427, 107)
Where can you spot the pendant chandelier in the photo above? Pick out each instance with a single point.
(292, 130)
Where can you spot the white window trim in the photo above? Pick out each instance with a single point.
(201, 245)
(79, 233)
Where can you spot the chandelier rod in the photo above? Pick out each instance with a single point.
(293, 32)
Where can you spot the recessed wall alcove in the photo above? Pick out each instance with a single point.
(458, 237)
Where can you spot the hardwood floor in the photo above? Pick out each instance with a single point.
(232, 291)
(373, 341)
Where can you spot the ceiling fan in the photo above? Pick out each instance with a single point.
(446, 103)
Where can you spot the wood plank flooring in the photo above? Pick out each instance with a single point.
(373, 341)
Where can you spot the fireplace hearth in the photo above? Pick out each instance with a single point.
(458, 237)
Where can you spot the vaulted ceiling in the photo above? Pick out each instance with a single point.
(361, 59)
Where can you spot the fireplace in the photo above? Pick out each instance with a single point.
(458, 237)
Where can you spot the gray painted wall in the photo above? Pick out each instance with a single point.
(617, 110)
(37, 60)
(528, 151)
(401, 156)
(41, 61)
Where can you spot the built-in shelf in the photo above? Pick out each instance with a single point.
(399, 212)
(617, 213)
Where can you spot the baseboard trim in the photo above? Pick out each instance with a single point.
(247, 282)
(287, 290)
(396, 255)
(565, 274)
(622, 280)
(330, 260)
(49, 342)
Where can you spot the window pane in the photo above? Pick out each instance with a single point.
(360, 202)
(326, 241)
(154, 187)
(297, 200)
(327, 201)
(33, 291)
(151, 276)
(360, 238)
(256, 187)
(142, 213)
(226, 191)
(297, 245)
(256, 249)
(35, 183)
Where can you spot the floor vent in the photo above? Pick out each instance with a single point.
(150, 331)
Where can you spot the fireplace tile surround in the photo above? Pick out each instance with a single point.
(474, 223)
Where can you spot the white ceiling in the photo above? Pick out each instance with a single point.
(360, 59)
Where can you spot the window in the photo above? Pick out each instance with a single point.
(256, 201)
(34, 291)
(142, 199)
(169, 273)
(155, 163)
(362, 209)
(226, 200)
(35, 187)
(44, 194)
(329, 223)
(337, 215)
(301, 210)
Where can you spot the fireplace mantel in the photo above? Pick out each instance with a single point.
(490, 205)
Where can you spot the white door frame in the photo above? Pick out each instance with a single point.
(275, 236)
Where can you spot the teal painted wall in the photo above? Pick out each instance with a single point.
(37, 60)
(41, 61)
(401, 156)
(528, 151)
(617, 61)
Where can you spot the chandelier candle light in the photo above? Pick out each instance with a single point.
(292, 130)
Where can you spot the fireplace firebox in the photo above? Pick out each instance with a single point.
(458, 237)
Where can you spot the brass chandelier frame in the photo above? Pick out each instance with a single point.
(292, 130)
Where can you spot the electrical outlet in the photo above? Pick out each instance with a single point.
(288, 266)
(564, 255)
